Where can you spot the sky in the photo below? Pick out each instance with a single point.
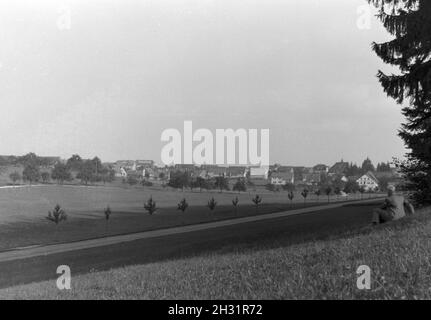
(107, 77)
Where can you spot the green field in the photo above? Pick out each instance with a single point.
(397, 253)
(23, 211)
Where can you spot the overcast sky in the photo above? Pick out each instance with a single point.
(126, 70)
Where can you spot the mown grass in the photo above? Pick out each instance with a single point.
(398, 253)
(23, 211)
(43, 232)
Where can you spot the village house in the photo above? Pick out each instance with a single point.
(321, 168)
(368, 181)
(339, 168)
(282, 178)
(236, 172)
(121, 166)
(214, 171)
(297, 171)
(124, 168)
(259, 173)
(145, 163)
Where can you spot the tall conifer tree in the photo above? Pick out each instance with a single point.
(409, 22)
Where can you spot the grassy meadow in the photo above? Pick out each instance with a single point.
(398, 254)
(23, 211)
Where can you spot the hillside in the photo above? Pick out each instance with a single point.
(398, 254)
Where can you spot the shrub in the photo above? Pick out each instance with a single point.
(150, 206)
(183, 205)
(57, 215)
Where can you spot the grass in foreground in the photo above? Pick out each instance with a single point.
(399, 255)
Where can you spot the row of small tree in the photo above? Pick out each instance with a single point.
(59, 214)
(150, 205)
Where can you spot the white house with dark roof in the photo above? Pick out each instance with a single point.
(368, 181)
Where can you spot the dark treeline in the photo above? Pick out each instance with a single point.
(36, 168)
(26, 159)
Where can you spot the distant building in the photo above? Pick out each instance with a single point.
(125, 163)
(321, 168)
(259, 173)
(144, 163)
(368, 181)
(344, 178)
(297, 171)
(339, 168)
(215, 171)
(122, 173)
(123, 168)
(282, 178)
(236, 172)
(149, 172)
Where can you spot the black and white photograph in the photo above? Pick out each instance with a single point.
(215, 155)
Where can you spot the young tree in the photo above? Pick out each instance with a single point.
(304, 194)
(235, 202)
(107, 213)
(257, 200)
(328, 191)
(290, 195)
(57, 215)
(212, 204)
(409, 22)
(150, 206)
(183, 205)
(14, 177)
